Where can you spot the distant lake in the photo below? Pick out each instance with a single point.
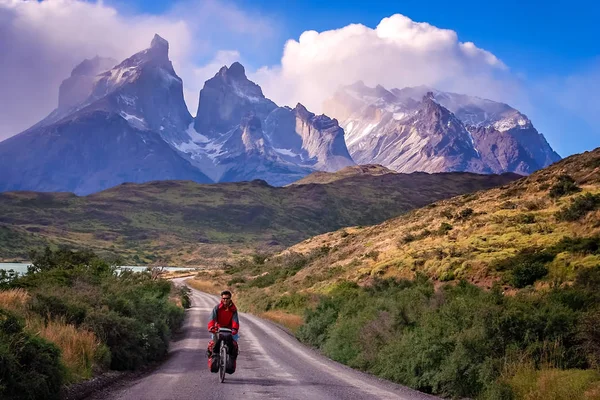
(22, 268)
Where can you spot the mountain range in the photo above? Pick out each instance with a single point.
(128, 122)
(423, 129)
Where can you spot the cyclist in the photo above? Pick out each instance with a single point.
(224, 315)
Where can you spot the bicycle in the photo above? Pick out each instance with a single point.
(225, 337)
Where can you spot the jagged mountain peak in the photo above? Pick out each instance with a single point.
(158, 42)
(428, 96)
(235, 71)
(156, 55)
(321, 122)
(233, 81)
(302, 111)
(226, 98)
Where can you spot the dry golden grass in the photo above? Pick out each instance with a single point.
(593, 393)
(555, 384)
(204, 285)
(177, 274)
(497, 228)
(290, 321)
(78, 346)
(14, 299)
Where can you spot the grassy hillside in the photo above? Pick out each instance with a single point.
(490, 295)
(355, 170)
(479, 237)
(188, 223)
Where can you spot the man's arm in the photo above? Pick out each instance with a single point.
(212, 323)
(235, 323)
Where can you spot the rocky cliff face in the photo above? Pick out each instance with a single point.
(300, 136)
(422, 129)
(226, 99)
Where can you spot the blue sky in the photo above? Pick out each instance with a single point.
(544, 44)
(530, 36)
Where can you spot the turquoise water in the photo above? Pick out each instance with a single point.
(17, 267)
(22, 268)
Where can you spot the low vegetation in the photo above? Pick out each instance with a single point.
(73, 316)
(459, 340)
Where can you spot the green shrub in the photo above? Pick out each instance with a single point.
(533, 205)
(527, 256)
(579, 207)
(184, 295)
(447, 213)
(581, 245)
(56, 306)
(291, 302)
(236, 280)
(122, 335)
(408, 238)
(263, 281)
(457, 341)
(314, 332)
(565, 185)
(131, 313)
(525, 218)
(465, 214)
(526, 273)
(444, 228)
(30, 366)
(259, 258)
(508, 205)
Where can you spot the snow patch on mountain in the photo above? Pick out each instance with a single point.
(134, 120)
(244, 94)
(356, 136)
(195, 136)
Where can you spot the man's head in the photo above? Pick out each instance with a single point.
(226, 297)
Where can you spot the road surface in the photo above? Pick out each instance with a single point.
(272, 364)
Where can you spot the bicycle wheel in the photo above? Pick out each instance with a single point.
(223, 362)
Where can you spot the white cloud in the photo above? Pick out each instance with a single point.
(397, 53)
(41, 42)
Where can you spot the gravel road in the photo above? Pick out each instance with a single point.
(272, 364)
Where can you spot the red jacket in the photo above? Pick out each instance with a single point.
(224, 318)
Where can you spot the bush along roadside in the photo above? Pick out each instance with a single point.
(461, 341)
(73, 316)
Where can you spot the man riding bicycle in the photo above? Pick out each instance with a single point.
(224, 315)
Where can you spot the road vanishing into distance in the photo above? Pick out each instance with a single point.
(272, 364)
